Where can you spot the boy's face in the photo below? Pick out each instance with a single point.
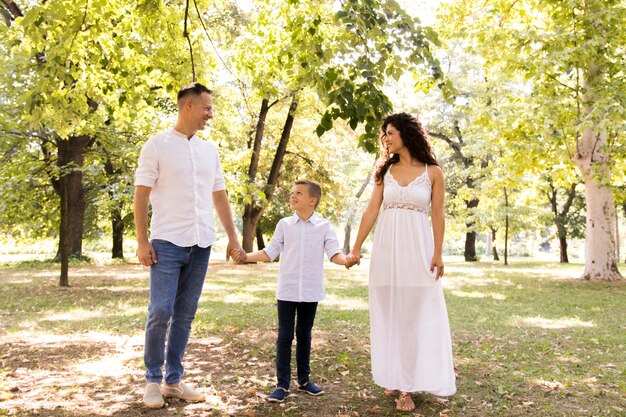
(300, 198)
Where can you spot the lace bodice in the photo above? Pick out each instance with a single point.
(415, 196)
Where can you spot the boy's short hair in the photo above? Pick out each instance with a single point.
(195, 89)
(315, 190)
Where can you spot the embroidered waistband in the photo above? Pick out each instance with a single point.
(405, 206)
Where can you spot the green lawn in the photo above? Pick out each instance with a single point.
(528, 339)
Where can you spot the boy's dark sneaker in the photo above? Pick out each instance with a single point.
(311, 388)
(278, 395)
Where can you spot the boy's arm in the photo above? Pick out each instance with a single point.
(339, 259)
(258, 256)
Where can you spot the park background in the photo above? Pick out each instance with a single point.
(524, 101)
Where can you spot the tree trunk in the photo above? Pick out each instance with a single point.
(563, 250)
(71, 155)
(600, 259)
(594, 165)
(560, 217)
(624, 208)
(347, 230)
(254, 210)
(251, 216)
(470, 236)
(617, 248)
(260, 243)
(64, 233)
(494, 248)
(117, 221)
(506, 227)
(117, 226)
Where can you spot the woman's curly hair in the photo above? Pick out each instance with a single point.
(413, 136)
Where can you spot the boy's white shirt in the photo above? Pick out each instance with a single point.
(302, 245)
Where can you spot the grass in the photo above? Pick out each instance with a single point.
(528, 339)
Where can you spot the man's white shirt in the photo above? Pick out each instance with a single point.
(183, 174)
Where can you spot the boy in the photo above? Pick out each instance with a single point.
(302, 239)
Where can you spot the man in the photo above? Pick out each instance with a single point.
(180, 175)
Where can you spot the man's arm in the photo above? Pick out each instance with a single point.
(225, 214)
(145, 251)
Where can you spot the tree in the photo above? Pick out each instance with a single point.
(570, 54)
(342, 57)
(83, 72)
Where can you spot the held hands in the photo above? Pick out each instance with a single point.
(437, 263)
(235, 251)
(353, 259)
(239, 256)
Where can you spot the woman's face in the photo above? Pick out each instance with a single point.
(392, 140)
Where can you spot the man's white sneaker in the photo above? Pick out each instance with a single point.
(183, 391)
(153, 398)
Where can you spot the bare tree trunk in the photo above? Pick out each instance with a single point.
(117, 221)
(348, 228)
(260, 243)
(617, 248)
(506, 227)
(563, 258)
(254, 210)
(594, 165)
(624, 209)
(494, 248)
(64, 233)
(71, 155)
(600, 259)
(470, 236)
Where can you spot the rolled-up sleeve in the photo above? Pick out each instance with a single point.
(276, 243)
(148, 167)
(331, 243)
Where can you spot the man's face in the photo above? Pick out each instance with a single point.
(201, 110)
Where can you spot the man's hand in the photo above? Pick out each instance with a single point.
(233, 248)
(146, 254)
(238, 256)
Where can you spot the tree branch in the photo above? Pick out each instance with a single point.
(69, 51)
(186, 35)
(574, 89)
(12, 8)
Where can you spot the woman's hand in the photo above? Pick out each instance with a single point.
(353, 258)
(437, 263)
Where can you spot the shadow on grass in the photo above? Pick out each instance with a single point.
(531, 344)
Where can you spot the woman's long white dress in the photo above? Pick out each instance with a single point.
(409, 328)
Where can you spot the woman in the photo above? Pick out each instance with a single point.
(409, 329)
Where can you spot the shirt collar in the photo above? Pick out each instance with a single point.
(313, 219)
(178, 134)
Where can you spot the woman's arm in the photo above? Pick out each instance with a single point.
(437, 216)
(370, 214)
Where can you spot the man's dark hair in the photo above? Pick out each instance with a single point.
(195, 89)
(315, 190)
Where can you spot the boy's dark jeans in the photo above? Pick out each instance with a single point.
(287, 312)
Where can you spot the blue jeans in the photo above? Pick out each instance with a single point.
(175, 286)
(287, 312)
